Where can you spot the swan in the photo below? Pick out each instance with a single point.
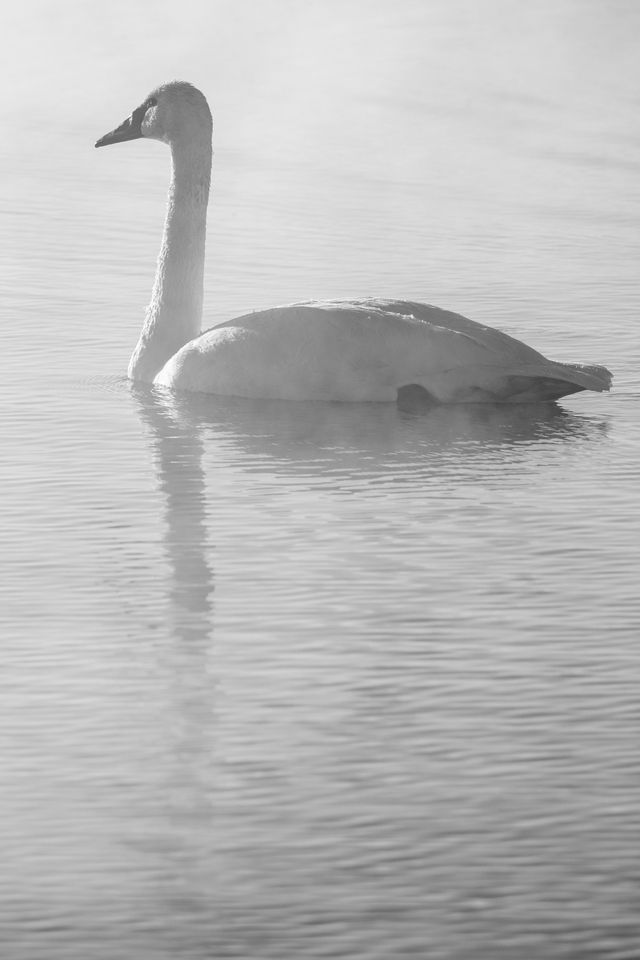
(334, 350)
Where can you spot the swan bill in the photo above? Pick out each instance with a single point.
(130, 129)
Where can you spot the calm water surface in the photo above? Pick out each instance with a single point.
(313, 680)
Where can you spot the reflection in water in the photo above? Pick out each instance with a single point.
(342, 443)
(177, 452)
(368, 438)
(358, 785)
(370, 738)
(187, 757)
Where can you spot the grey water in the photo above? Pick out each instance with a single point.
(321, 680)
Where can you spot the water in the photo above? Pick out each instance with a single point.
(319, 680)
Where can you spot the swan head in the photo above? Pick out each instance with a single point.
(172, 112)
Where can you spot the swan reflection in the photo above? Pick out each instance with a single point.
(205, 446)
(316, 440)
(176, 447)
(323, 669)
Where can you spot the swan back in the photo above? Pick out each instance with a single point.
(369, 350)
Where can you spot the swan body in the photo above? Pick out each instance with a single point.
(359, 350)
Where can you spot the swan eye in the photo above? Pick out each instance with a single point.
(151, 102)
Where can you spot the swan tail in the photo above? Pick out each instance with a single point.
(559, 380)
(537, 383)
(592, 377)
(556, 381)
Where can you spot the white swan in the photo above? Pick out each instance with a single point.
(331, 350)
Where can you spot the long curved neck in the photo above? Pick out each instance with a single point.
(174, 314)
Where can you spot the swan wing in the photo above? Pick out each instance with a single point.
(360, 350)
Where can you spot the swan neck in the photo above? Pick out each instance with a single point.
(174, 314)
